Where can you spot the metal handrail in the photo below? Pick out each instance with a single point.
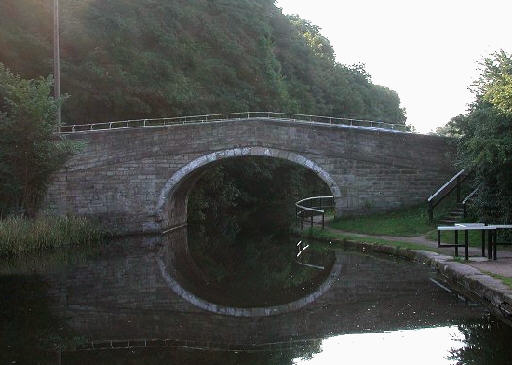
(205, 118)
(468, 198)
(258, 114)
(446, 185)
(301, 209)
(351, 121)
(141, 123)
(436, 198)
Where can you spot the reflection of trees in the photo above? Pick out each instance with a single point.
(235, 210)
(254, 194)
(283, 356)
(256, 268)
(29, 332)
(51, 262)
(487, 341)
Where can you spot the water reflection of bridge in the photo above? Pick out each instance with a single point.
(124, 296)
(186, 279)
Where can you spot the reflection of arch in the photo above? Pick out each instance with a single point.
(178, 186)
(167, 268)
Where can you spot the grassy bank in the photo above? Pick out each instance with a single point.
(412, 221)
(405, 222)
(21, 236)
(325, 234)
(475, 237)
(505, 280)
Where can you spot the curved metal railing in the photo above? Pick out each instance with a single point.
(315, 206)
(207, 118)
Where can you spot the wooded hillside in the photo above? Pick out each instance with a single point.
(151, 58)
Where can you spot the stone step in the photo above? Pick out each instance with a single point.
(455, 215)
(449, 221)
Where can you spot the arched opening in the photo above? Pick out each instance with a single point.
(171, 210)
(240, 205)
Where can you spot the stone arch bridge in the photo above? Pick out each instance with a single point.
(136, 179)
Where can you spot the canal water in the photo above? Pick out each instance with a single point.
(190, 298)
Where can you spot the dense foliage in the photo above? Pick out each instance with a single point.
(251, 194)
(126, 59)
(29, 150)
(485, 138)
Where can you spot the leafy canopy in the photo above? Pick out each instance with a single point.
(29, 150)
(485, 138)
(150, 58)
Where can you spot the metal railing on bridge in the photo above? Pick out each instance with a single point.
(208, 118)
(313, 207)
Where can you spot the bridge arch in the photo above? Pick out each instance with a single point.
(171, 208)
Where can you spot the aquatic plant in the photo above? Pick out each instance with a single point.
(21, 236)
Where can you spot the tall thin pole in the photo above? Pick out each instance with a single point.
(56, 55)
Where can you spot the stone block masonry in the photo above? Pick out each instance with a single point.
(137, 180)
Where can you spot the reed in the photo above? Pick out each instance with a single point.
(21, 236)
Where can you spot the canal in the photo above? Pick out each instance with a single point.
(237, 298)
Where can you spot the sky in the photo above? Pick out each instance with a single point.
(427, 51)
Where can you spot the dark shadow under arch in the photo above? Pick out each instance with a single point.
(171, 209)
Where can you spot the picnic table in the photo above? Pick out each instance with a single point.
(496, 228)
(466, 227)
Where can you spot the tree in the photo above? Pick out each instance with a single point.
(30, 151)
(485, 138)
(495, 85)
(139, 59)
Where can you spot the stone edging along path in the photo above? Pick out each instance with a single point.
(465, 278)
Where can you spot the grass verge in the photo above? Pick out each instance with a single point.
(475, 237)
(411, 221)
(20, 236)
(325, 234)
(405, 222)
(504, 279)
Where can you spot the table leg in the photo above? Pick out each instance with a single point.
(489, 245)
(438, 238)
(495, 240)
(483, 243)
(466, 245)
(456, 243)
